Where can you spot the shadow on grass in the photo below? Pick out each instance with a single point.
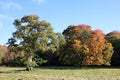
(12, 71)
(103, 67)
(61, 68)
(78, 67)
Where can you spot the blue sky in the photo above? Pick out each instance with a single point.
(100, 14)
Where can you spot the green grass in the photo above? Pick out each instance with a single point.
(60, 73)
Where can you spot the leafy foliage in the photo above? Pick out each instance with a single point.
(114, 38)
(107, 53)
(3, 51)
(34, 43)
(84, 46)
(33, 35)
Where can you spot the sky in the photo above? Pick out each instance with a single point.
(99, 14)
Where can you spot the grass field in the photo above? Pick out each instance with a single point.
(60, 73)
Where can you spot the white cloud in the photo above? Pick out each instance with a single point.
(10, 5)
(39, 1)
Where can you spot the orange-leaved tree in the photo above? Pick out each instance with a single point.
(84, 46)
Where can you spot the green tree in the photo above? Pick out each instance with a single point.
(114, 38)
(53, 57)
(33, 35)
(107, 53)
(61, 39)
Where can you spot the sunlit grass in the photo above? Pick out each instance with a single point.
(60, 73)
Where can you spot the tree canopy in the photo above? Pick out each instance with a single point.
(114, 38)
(85, 46)
(33, 35)
(34, 43)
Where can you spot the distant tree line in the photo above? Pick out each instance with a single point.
(34, 43)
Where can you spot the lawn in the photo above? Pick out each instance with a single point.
(60, 73)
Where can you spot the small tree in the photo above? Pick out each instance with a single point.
(3, 51)
(107, 53)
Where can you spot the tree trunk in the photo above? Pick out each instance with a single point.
(29, 66)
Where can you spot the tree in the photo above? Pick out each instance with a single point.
(107, 53)
(84, 46)
(33, 35)
(96, 47)
(114, 38)
(3, 51)
(76, 39)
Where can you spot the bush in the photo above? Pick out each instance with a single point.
(39, 61)
(19, 61)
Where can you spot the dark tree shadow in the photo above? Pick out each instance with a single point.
(13, 71)
(62, 68)
(78, 67)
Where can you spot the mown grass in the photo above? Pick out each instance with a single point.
(60, 73)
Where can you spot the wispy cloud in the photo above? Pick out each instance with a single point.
(10, 5)
(39, 1)
(2, 16)
(5, 18)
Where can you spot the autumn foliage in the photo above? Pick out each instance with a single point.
(34, 41)
(85, 46)
(3, 51)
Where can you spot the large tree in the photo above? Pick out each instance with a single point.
(34, 35)
(84, 46)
